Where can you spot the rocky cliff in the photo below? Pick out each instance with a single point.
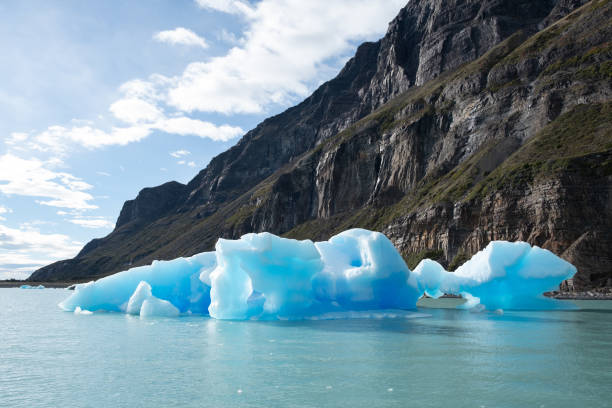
(469, 121)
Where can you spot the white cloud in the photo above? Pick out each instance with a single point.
(103, 173)
(26, 249)
(186, 163)
(289, 46)
(4, 210)
(180, 153)
(148, 89)
(15, 138)
(139, 110)
(180, 35)
(228, 37)
(93, 222)
(32, 178)
(226, 6)
(57, 139)
(187, 126)
(135, 110)
(55, 163)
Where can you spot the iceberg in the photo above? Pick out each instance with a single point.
(31, 287)
(355, 273)
(266, 276)
(504, 275)
(363, 270)
(177, 281)
(263, 275)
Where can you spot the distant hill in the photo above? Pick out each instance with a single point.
(470, 121)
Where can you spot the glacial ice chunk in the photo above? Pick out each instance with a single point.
(31, 287)
(142, 293)
(263, 276)
(143, 303)
(363, 270)
(79, 311)
(177, 281)
(504, 275)
(153, 306)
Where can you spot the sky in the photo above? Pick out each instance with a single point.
(99, 99)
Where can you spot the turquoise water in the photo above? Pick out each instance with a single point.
(433, 358)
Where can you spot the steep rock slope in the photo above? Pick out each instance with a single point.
(412, 138)
(516, 145)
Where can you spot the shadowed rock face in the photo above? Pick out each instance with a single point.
(152, 203)
(469, 121)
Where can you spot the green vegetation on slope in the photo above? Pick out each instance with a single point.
(567, 143)
(583, 131)
(413, 259)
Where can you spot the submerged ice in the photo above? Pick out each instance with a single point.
(263, 276)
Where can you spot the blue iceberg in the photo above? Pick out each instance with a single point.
(263, 276)
(363, 271)
(177, 281)
(504, 275)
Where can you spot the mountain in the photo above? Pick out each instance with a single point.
(469, 121)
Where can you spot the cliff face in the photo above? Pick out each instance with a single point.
(469, 121)
(424, 40)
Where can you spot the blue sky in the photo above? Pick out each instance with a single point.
(100, 99)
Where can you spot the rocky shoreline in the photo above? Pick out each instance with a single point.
(595, 294)
(50, 285)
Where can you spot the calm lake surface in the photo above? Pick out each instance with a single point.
(432, 358)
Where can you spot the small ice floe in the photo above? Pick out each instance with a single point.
(79, 311)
